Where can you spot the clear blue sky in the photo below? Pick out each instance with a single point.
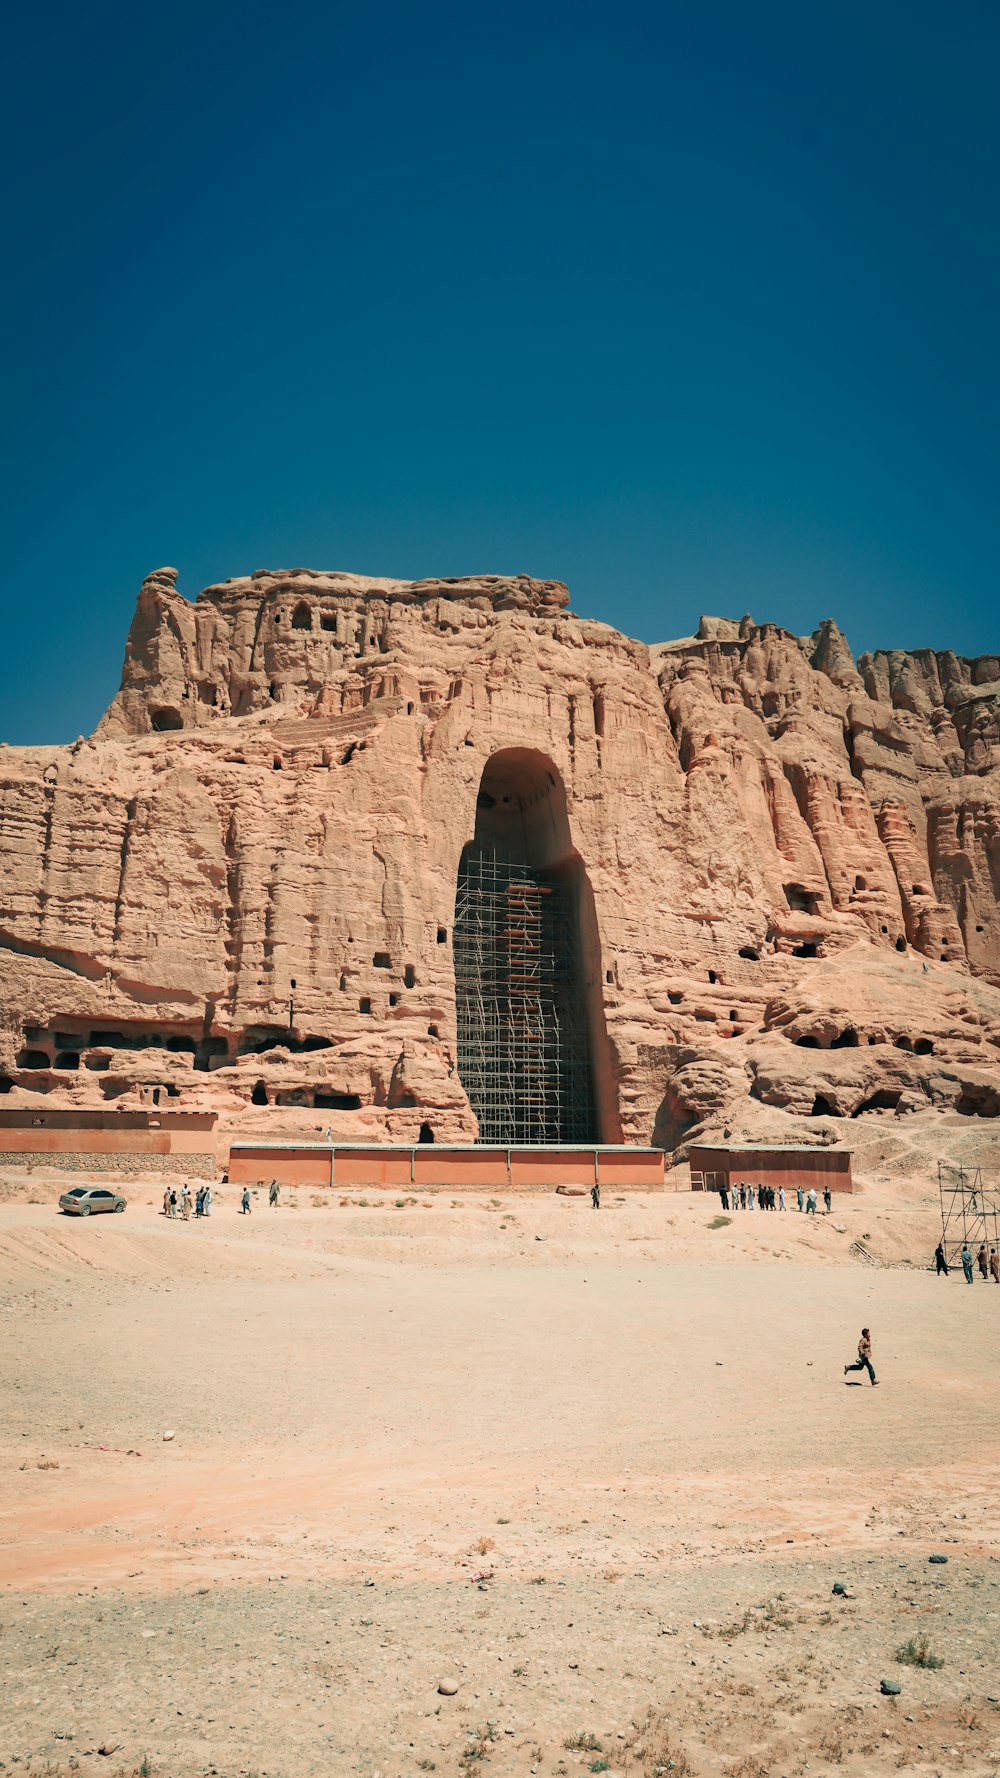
(694, 306)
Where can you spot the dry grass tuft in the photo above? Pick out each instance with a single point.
(651, 1749)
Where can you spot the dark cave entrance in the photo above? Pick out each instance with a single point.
(532, 1048)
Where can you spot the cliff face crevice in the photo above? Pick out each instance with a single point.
(241, 891)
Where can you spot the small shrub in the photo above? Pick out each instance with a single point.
(483, 1545)
(917, 1653)
(600, 1765)
(47, 1463)
(583, 1742)
(720, 1222)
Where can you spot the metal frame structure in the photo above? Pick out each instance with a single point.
(970, 1213)
(522, 1039)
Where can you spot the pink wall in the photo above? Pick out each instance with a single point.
(461, 1169)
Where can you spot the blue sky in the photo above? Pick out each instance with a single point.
(692, 306)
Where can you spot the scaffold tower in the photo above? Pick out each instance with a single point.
(522, 1042)
(970, 1211)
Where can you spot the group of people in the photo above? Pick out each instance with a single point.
(181, 1203)
(988, 1263)
(765, 1197)
(174, 1205)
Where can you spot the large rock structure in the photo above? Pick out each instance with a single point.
(240, 892)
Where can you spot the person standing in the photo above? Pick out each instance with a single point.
(939, 1259)
(800, 1195)
(827, 1199)
(206, 1202)
(272, 1196)
(994, 1266)
(173, 1202)
(595, 1195)
(245, 1202)
(750, 1203)
(811, 1201)
(743, 1194)
(199, 1203)
(781, 1198)
(863, 1361)
(983, 1263)
(166, 1201)
(186, 1201)
(723, 1197)
(967, 1264)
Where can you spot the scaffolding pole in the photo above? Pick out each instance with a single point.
(970, 1212)
(522, 1044)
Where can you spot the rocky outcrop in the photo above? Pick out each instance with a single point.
(240, 892)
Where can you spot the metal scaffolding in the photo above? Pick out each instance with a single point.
(970, 1214)
(522, 1042)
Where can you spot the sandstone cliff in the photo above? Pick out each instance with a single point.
(240, 891)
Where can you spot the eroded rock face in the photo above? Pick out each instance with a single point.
(240, 893)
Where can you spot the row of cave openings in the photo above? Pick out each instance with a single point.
(972, 1101)
(850, 1040)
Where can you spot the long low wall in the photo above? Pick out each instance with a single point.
(468, 1168)
(121, 1161)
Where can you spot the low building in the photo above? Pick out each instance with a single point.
(774, 1164)
(110, 1141)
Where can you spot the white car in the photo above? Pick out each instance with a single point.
(87, 1200)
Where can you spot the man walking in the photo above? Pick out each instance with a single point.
(800, 1195)
(981, 1261)
(994, 1266)
(272, 1195)
(245, 1202)
(939, 1259)
(967, 1264)
(864, 1358)
(811, 1202)
(595, 1195)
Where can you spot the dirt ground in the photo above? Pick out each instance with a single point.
(598, 1472)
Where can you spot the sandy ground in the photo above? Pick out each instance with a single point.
(599, 1471)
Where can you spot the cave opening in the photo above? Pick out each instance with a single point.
(532, 1043)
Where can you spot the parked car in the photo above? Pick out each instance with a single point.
(85, 1200)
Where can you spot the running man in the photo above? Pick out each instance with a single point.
(864, 1358)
